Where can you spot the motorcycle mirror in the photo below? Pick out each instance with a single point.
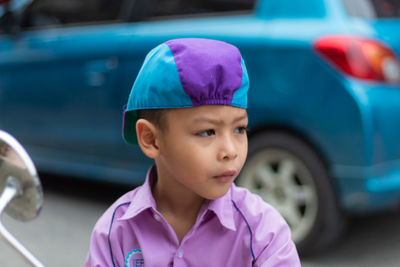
(21, 194)
(17, 170)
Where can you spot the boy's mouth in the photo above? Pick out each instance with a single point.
(226, 176)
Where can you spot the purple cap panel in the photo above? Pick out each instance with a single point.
(208, 76)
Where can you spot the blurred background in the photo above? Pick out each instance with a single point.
(324, 101)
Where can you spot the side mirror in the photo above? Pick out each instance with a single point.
(20, 188)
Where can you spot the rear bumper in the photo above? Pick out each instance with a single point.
(373, 188)
(371, 182)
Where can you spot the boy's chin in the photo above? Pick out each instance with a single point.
(216, 195)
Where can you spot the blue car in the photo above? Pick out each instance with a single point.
(324, 98)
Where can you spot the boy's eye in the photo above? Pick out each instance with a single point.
(206, 133)
(241, 130)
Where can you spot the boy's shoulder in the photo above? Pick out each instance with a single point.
(128, 205)
(268, 230)
(255, 210)
(116, 210)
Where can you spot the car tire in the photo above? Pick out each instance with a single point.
(288, 174)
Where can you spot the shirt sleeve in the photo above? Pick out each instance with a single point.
(104, 250)
(286, 255)
(278, 250)
(99, 251)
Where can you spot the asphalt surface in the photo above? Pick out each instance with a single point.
(60, 236)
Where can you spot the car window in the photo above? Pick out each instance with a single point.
(185, 7)
(12, 6)
(50, 12)
(373, 8)
(62, 12)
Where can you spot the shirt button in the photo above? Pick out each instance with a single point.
(180, 253)
(157, 217)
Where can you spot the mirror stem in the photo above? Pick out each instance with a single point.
(11, 190)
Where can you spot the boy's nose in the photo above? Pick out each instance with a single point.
(227, 149)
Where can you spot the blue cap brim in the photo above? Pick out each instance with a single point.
(129, 127)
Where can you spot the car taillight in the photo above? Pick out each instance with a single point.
(361, 58)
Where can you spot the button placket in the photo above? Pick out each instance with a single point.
(179, 253)
(157, 217)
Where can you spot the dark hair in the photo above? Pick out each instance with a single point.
(155, 116)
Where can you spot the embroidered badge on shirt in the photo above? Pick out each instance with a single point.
(134, 258)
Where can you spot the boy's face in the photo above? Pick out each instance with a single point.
(203, 149)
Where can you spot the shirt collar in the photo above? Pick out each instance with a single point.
(143, 199)
(223, 208)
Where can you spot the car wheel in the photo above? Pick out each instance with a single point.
(287, 173)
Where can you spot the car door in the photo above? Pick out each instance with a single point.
(58, 77)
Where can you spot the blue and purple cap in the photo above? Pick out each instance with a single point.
(187, 72)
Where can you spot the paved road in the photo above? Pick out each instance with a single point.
(60, 236)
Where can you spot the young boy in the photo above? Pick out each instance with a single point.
(187, 111)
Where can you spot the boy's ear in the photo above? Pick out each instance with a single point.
(147, 135)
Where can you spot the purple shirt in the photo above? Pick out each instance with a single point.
(238, 229)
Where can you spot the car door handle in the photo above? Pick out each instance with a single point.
(96, 70)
